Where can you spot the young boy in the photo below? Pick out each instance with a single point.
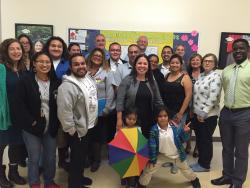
(165, 145)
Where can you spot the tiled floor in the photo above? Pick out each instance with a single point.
(106, 177)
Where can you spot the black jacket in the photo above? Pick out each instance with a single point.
(28, 106)
(159, 77)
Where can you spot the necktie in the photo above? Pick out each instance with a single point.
(231, 88)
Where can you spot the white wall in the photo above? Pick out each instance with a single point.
(208, 17)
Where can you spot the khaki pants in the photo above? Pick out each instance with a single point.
(161, 159)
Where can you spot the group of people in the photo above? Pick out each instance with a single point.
(57, 98)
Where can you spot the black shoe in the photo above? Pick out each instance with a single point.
(94, 167)
(64, 165)
(123, 182)
(221, 181)
(196, 183)
(86, 181)
(14, 175)
(22, 163)
(3, 180)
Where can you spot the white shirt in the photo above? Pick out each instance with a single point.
(56, 63)
(114, 64)
(206, 95)
(86, 82)
(166, 142)
(44, 91)
(164, 70)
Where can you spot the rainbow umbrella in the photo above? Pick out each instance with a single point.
(128, 152)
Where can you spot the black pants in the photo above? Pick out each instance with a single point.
(111, 126)
(235, 137)
(97, 137)
(204, 132)
(79, 148)
(14, 153)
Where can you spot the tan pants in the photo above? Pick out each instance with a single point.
(161, 159)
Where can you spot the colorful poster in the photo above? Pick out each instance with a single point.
(189, 41)
(156, 40)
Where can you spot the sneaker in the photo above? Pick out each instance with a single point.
(196, 183)
(86, 181)
(174, 169)
(198, 168)
(191, 166)
(52, 185)
(167, 164)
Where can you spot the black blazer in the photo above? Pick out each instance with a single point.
(28, 105)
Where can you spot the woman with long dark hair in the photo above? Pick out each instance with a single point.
(177, 91)
(36, 114)
(28, 50)
(139, 90)
(12, 56)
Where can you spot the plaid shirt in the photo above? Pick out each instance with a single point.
(179, 137)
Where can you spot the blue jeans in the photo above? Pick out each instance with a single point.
(37, 146)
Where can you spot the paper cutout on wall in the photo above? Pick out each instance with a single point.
(156, 40)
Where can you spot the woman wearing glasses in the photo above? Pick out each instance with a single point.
(36, 113)
(206, 108)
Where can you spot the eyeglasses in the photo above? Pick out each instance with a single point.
(43, 62)
(208, 61)
(115, 50)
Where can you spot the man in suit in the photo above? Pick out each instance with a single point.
(115, 56)
(125, 69)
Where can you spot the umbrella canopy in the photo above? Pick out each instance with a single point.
(128, 152)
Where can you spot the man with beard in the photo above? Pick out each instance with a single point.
(166, 54)
(77, 112)
(234, 120)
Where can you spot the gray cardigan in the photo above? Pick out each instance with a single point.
(103, 80)
(127, 91)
